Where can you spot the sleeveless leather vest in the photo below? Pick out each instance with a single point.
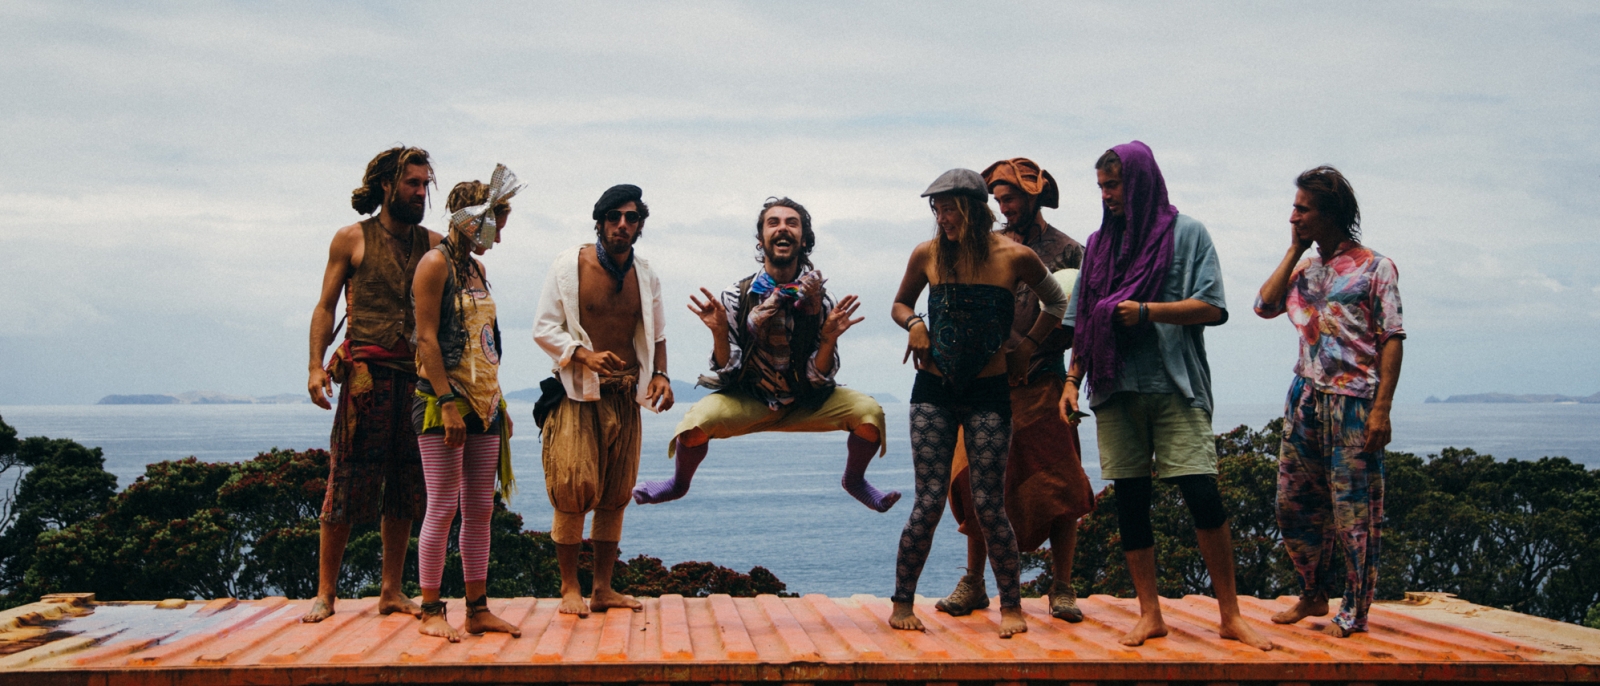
(379, 296)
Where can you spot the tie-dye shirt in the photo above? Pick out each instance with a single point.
(1345, 311)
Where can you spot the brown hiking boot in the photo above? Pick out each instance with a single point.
(969, 594)
(1064, 603)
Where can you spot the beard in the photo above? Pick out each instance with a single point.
(408, 213)
(1025, 221)
(779, 262)
(618, 246)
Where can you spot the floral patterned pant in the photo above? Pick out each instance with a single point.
(1330, 493)
(933, 444)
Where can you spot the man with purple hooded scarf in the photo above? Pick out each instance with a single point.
(1149, 286)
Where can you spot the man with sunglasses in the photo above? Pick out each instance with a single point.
(774, 355)
(600, 319)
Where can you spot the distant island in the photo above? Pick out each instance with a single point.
(1518, 399)
(204, 398)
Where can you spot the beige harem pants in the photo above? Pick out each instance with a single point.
(591, 459)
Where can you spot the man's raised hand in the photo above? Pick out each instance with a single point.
(839, 320)
(711, 312)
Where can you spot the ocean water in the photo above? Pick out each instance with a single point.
(771, 499)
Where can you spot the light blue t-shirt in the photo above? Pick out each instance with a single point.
(1173, 358)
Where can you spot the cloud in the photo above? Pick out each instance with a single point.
(174, 172)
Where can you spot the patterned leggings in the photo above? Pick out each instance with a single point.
(463, 475)
(1331, 493)
(933, 445)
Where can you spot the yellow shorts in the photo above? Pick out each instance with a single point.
(729, 414)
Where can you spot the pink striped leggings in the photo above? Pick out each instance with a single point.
(443, 468)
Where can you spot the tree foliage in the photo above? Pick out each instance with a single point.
(189, 529)
(1521, 535)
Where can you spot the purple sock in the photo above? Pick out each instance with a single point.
(855, 471)
(688, 459)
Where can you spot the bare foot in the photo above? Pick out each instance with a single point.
(1011, 622)
(604, 599)
(1306, 607)
(573, 604)
(905, 619)
(1149, 626)
(390, 604)
(1236, 629)
(1336, 631)
(486, 621)
(435, 625)
(321, 608)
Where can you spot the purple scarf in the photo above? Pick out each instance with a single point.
(1136, 271)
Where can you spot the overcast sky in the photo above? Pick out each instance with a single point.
(173, 173)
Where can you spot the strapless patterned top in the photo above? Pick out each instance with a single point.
(968, 323)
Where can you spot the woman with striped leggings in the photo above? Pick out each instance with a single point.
(459, 413)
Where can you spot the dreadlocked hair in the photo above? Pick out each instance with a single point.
(466, 194)
(388, 166)
(973, 247)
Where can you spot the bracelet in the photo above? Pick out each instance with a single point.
(448, 397)
(912, 321)
(1074, 380)
(661, 374)
(1144, 313)
(1036, 343)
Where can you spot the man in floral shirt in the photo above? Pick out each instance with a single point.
(1345, 302)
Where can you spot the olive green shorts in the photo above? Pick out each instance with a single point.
(729, 414)
(1134, 427)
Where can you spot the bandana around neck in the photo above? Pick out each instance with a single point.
(618, 273)
(802, 293)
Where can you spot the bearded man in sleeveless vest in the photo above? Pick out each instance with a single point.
(774, 356)
(375, 468)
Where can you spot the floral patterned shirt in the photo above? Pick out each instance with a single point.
(1345, 311)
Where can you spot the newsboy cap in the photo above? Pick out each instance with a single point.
(963, 181)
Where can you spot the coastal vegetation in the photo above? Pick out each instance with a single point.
(1516, 534)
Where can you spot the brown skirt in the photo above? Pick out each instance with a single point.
(1044, 473)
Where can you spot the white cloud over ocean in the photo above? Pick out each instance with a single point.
(173, 172)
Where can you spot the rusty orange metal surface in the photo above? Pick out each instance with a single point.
(72, 640)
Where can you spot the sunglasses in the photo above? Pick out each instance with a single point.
(631, 216)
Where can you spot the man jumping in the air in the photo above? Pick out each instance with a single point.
(774, 357)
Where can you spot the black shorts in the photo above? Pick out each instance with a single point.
(988, 393)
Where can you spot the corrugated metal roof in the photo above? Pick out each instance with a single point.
(70, 639)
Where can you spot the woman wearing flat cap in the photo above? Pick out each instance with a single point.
(962, 380)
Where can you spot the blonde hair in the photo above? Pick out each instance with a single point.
(977, 220)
